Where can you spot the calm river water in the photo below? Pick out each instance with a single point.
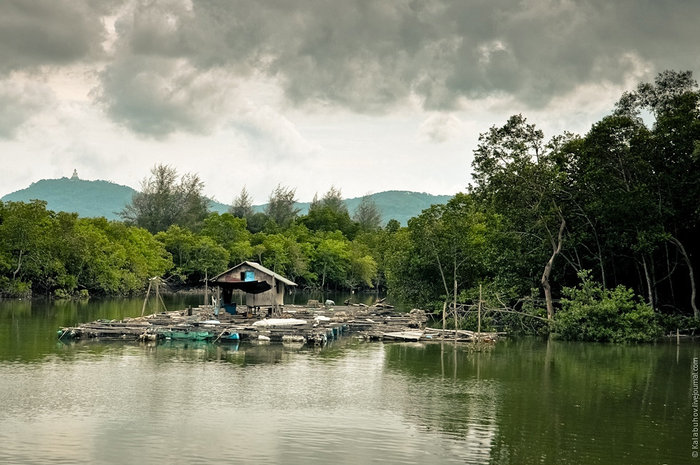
(523, 402)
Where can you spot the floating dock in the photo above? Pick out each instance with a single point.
(295, 325)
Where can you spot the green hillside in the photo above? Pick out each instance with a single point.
(398, 205)
(103, 198)
(87, 198)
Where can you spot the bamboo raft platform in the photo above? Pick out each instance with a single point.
(299, 325)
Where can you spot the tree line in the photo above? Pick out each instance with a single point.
(593, 236)
(167, 230)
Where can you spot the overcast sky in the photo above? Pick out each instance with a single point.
(363, 95)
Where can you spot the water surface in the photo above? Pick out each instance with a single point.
(524, 402)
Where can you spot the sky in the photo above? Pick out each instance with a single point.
(362, 95)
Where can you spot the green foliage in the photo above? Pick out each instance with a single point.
(682, 323)
(27, 235)
(333, 199)
(393, 225)
(325, 219)
(106, 199)
(194, 256)
(14, 288)
(622, 201)
(280, 207)
(330, 214)
(163, 201)
(231, 233)
(63, 255)
(256, 222)
(141, 255)
(331, 259)
(242, 206)
(524, 179)
(410, 275)
(591, 313)
(363, 267)
(367, 214)
(446, 244)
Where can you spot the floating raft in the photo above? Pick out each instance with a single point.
(296, 325)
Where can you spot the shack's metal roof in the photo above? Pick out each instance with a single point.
(260, 268)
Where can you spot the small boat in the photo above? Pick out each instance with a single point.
(403, 336)
(230, 337)
(187, 335)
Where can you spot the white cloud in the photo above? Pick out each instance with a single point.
(441, 127)
(19, 102)
(271, 131)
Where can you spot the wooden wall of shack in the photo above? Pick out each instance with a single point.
(274, 297)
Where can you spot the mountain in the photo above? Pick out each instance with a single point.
(87, 198)
(103, 198)
(398, 205)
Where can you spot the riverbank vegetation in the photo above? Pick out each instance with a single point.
(592, 236)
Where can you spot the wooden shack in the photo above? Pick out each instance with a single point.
(263, 288)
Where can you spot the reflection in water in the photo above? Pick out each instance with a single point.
(28, 327)
(472, 414)
(181, 402)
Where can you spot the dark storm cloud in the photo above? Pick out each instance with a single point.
(157, 96)
(36, 33)
(173, 64)
(368, 56)
(35, 38)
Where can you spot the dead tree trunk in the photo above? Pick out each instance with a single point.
(19, 265)
(444, 321)
(556, 248)
(650, 292)
(678, 244)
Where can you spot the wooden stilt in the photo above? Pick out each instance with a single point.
(478, 327)
(148, 292)
(206, 287)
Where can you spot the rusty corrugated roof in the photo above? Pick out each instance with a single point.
(260, 268)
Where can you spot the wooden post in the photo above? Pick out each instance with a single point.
(442, 356)
(454, 358)
(478, 328)
(444, 321)
(455, 298)
(158, 300)
(206, 287)
(160, 297)
(274, 296)
(148, 292)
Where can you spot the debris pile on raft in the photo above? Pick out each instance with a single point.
(296, 324)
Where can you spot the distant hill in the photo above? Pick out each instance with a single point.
(87, 198)
(398, 205)
(103, 198)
